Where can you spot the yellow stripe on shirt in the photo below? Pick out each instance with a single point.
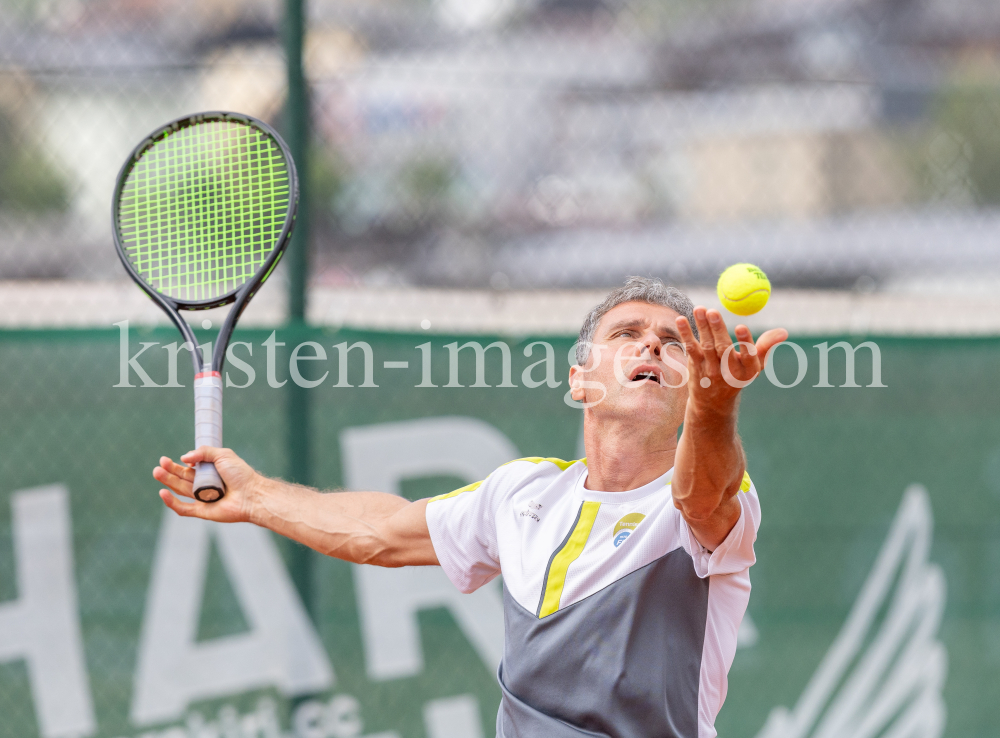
(563, 465)
(555, 577)
(745, 484)
(467, 488)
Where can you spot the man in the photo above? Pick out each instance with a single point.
(626, 574)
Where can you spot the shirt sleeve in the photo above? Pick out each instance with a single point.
(735, 554)
(462, 526)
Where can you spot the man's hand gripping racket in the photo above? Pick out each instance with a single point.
(203, 210)
(242, 482)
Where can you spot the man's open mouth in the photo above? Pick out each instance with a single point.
(643, 373)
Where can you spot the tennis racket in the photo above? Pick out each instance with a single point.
(203, 209)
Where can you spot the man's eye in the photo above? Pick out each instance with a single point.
(625, 334)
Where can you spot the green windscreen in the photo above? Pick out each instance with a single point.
(203, 207)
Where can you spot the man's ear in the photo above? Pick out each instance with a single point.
(576, 383)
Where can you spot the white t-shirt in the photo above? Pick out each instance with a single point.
(557, 544)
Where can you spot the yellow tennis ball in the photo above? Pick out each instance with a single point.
(743, 289)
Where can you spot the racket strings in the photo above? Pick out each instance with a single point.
(203, 208)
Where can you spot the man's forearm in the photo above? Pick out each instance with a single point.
(708, 470)
(353, 526)
(710, 464)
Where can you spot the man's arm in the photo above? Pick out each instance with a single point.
(709, 465)
(362, 527)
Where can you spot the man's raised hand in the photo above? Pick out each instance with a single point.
(241, 485)
(710, 381)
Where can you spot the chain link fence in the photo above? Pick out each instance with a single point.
(546, 145)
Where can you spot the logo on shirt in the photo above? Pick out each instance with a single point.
(530, 512)
(625, 526)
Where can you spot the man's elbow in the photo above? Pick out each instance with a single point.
(698, 511)
(390, 552)
(702, 504)
(370, 548)
(400, 539)
(388, 557)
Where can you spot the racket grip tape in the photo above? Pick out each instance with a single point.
(208, 485)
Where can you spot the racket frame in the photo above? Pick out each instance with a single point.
(240, 295)
(207, 479)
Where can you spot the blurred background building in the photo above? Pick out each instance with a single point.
(506, 144)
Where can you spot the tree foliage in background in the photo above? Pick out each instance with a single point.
(426, 183)
(29, 183)
(970, 115)
(329, 175)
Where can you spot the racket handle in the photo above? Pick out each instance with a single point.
(208, 485)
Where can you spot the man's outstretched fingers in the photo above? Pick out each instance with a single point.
(185, 509)
(687, 336)
(707, 342)
(203, 510)
(178, 485)
(768, 340)
(176, 476)
(720, 334)
(749, 357)
(179, 470)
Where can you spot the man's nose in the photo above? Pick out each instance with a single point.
(651, 344)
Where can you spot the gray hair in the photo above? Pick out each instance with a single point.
(635, 289)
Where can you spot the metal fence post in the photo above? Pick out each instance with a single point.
(298, 420)
(297, 128)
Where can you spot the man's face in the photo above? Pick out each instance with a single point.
(636, 366)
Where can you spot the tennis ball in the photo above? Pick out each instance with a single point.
(743, 289)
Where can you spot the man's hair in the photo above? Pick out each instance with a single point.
(635, 289)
